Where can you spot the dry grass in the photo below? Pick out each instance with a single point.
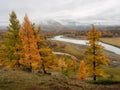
(11, 79)
(112, 41)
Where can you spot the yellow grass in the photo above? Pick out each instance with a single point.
(113, 41)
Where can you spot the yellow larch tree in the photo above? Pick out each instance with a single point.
(30, 57)
(62, 64)
(95, 58)
(82, 72)
(73, 63)
(47, 57)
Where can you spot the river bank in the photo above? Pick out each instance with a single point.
(111, 41)
(83, 42)
(80, 46)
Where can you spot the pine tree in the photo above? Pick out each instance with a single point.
(12, 40)
(94, 54)
(30, 57)
(82, 74)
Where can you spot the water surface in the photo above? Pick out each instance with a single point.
(83, 42)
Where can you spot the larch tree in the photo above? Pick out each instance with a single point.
(30, 58)
(36, 53)
(82, 72)
(95, 58)
(47, 57)
(3, 59)
(62, 64)
(73, 64)
(12, 40)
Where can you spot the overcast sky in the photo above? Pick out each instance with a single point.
(84, 10)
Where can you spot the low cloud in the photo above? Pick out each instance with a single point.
(60, 9)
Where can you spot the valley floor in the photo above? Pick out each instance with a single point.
(113, 41)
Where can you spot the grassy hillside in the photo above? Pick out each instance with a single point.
(12, 79)
(15, 79)
(76, 50)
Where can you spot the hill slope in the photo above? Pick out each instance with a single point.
(13, 79)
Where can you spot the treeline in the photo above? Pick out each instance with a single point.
(72, 33)
(25, 48)
(107, 32)
(80, 33)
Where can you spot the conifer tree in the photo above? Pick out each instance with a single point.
(12, 40)
(30, 57)
(62, 64)
(36, 53)
(94, 54)
(47, 57)
(82, 74)
(73, 64)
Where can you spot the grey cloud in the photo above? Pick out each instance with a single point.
(60, 9)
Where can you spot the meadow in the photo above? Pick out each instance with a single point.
(115, 41)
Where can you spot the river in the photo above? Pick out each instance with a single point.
(83, 42)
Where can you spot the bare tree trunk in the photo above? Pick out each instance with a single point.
(43, 67)
(94, 61)
(94, 69)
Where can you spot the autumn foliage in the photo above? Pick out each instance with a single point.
(30, 57)
(95, 58)
(82, 72)
(62, 64)
(48, 60)
(73, 64)
(35, 53)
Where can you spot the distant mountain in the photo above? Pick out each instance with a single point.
(52, 25)
(60, 25)
(74, 25)
(70, 24)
